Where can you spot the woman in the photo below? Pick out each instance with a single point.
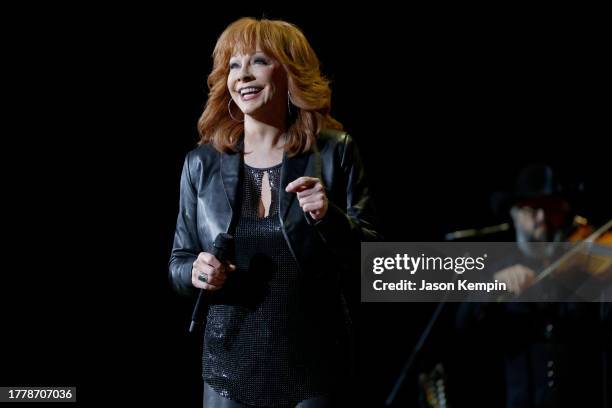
(277, 172)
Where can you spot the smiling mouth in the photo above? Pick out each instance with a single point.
(249, 93)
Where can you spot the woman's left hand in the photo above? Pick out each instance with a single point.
(311, 195)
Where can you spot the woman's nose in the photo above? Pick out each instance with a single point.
(244, 73)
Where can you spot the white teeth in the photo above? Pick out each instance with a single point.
(248, 90)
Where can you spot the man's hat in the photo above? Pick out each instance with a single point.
(536, 185)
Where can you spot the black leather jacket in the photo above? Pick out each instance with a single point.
(327, 251)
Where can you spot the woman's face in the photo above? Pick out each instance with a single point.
(257, 84)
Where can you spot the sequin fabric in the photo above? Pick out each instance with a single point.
(261, 346)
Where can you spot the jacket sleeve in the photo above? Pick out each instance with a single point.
(186, 245)
(343, 229)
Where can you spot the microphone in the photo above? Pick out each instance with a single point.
(221, 250)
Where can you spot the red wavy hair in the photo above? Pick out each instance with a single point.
(310, 91)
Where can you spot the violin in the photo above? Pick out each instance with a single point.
(590, 258)
(583, 230)
(592, 251)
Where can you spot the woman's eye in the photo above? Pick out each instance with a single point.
(233, 65)
(260, 61)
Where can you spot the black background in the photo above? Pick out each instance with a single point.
(445, 104)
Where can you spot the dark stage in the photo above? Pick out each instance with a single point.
(445, 106)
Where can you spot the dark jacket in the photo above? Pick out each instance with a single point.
(327, 251)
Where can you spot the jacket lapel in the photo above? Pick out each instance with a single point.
(230, 177)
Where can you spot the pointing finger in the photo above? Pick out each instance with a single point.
(301, 183)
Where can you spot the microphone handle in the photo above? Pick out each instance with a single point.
(201, 307)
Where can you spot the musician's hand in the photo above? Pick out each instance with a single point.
(215, 272)
(517, 278)
(311, 195)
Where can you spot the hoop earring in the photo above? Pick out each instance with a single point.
(289, 103)
(229, 109)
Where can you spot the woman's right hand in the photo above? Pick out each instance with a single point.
(213, 271)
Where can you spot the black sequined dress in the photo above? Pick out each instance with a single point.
(263, 344)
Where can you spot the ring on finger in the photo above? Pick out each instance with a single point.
(203, 277)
